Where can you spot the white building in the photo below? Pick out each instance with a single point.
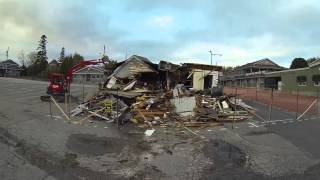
(89, 75)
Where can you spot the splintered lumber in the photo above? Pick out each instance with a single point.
(100, 116)
(90, 115)
(150, 112)
(129, 95)
(144, 118)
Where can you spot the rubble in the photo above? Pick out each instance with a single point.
(133, 94)
(164, 108)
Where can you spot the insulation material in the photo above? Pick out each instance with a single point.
(130, 85)
(111, 82)
(184, 105)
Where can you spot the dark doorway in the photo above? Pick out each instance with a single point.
(207, 82)
(88, 77)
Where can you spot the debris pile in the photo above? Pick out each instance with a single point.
(133, 92)
(179, 107)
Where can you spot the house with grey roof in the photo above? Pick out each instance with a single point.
(89, 75)
(9, 68)
(251, 74)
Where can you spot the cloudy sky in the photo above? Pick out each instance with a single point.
(174, 30)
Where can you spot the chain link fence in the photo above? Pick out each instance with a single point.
(298, 104)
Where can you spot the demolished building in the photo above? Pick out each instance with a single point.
(162, 94)
(138, 70)
(133, 71)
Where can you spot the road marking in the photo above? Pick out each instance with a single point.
(252, 124)
(274, 121)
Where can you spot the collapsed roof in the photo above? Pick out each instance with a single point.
(133, 66)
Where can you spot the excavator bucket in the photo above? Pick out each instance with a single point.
(45, 98)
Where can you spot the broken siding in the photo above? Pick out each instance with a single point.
(198, 78)
(198, 81)
(132, 67)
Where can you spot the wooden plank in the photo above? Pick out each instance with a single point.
(144, 118)
(90, 115)
(55, 102)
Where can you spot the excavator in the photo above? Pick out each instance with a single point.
(60, 84)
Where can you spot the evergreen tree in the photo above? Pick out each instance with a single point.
(41, 62)
(69, 61)
(62, 55)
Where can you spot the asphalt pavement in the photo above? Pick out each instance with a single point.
(37, 146)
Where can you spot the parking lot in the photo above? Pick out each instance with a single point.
(36, 146)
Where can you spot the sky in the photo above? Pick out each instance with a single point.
(174, 30)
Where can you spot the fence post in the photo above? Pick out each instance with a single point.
(256, 93)
(297, 101)
(69, 101)
(318, 110)
(50, 109)
(235, 108)
(117, 107)
(271, 103)
(82, 90)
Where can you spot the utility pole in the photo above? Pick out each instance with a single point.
(104, 50)
(213, 54)
(126, 53)
(7, 53)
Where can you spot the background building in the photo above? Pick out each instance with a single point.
(89, 75)
(9, 68)
(305, 80)
(250, 75)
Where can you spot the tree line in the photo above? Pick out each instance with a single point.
(35, 64)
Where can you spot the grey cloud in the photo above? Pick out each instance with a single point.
(77, 25)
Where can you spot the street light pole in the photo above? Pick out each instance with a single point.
(213, 54)
(210, 56)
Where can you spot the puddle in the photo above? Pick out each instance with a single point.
(92, 145)
(228, 161)
(224, 154)
(253, 133)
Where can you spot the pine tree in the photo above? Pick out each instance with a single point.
(41, 62)
(62, 55)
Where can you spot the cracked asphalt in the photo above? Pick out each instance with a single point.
(35, 146)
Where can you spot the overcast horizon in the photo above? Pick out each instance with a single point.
(174, 30)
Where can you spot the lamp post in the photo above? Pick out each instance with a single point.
(213, 54)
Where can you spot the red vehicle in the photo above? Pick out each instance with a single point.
(60, 84)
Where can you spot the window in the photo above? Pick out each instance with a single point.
(302, 80)
(93, 76)
(316, 80)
